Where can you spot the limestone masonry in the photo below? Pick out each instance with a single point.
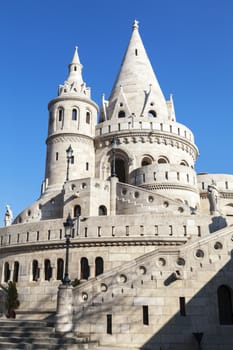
(150, 249)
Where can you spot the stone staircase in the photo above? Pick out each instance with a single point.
(37, 335)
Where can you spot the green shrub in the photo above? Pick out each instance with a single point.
(12, 302)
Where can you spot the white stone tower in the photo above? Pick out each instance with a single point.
(72, 121)
(153, 151)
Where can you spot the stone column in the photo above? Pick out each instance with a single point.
(64, 316)
(91, 270)
(113, 184)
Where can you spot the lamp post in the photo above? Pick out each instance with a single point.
(114, 145)
(68, 225)
(69, 157)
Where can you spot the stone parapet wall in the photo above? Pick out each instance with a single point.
(49, 232)
(177, 129)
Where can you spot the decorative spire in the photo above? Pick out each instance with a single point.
(171, 109)
(135, 24)
(74, 83)
(75, 68)
(75, 59)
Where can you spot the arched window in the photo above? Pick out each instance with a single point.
(121, 114)
(102, 210)
(77, 210)
(6, 272)
(146, 161)
(99, 266)
(88, 117)
(47, 270)
(60, 269)
(152, 114)
(35, 270)
(163, 160)
(85, 270)
(120, 170)
(183, 162)
(74, 114)
(225, 305)
(16, 271)
(60, 114)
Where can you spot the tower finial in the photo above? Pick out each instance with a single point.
(135, 24)
(75, 59)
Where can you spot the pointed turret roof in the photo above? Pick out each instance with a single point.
(75, 59)
(138, 82)
(75, 69)
(74, 83)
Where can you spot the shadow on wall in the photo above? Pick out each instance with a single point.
(52, 209)
(203, 323)
(218, 223)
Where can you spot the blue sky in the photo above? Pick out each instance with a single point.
(190, 45)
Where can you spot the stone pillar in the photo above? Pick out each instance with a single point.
(91, 270)
(54, 272)
(64, 316)
(113, 184)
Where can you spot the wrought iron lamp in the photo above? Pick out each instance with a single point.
(68, 225)
(69, 157)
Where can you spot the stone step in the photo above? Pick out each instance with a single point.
(19, 323)
(38, 346)
(117, 347)
(30, 335)
(84, 346)
(47, 340)
(28, 330)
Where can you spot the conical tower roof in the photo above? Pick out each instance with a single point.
(74, 83)
(137, 82)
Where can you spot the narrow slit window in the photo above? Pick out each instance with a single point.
(145, 314)
(170, 230)
(88, 117)
(109, 324)
(56, 155)
(182, 306)
(60, 114)
(74, 114)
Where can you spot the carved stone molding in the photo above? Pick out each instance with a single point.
(84, 242)
(124, 137)
(169, 186)
(72, 138)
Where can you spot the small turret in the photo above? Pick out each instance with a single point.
(72, 120)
